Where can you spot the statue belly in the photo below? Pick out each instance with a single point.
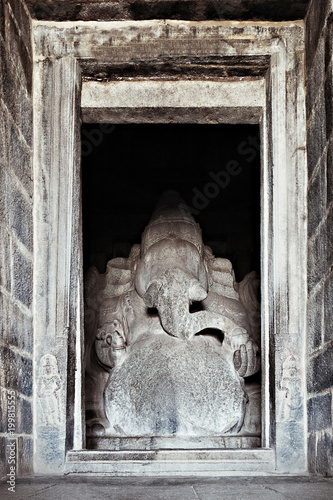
(166, 386)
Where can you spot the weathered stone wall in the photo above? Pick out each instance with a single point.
(319, 85)
(16, 235)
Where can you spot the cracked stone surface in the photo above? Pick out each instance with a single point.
(233, 488)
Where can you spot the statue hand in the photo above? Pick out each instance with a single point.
(246, 359)
(110, 344)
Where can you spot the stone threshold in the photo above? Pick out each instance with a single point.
(207, 462)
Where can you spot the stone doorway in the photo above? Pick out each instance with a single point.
(270, 61)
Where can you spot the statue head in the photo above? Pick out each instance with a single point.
(172, 273)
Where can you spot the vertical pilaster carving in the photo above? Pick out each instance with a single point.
(57, 253)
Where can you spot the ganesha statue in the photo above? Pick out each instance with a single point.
(170, 336)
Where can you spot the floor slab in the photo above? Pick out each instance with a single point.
(196, 488)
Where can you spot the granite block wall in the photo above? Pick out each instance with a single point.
(319, 88)
(16, 238)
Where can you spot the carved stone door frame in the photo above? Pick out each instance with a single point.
(264, 65)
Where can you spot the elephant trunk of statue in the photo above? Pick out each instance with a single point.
(171, 294)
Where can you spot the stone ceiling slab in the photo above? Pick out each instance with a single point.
(191, 10)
